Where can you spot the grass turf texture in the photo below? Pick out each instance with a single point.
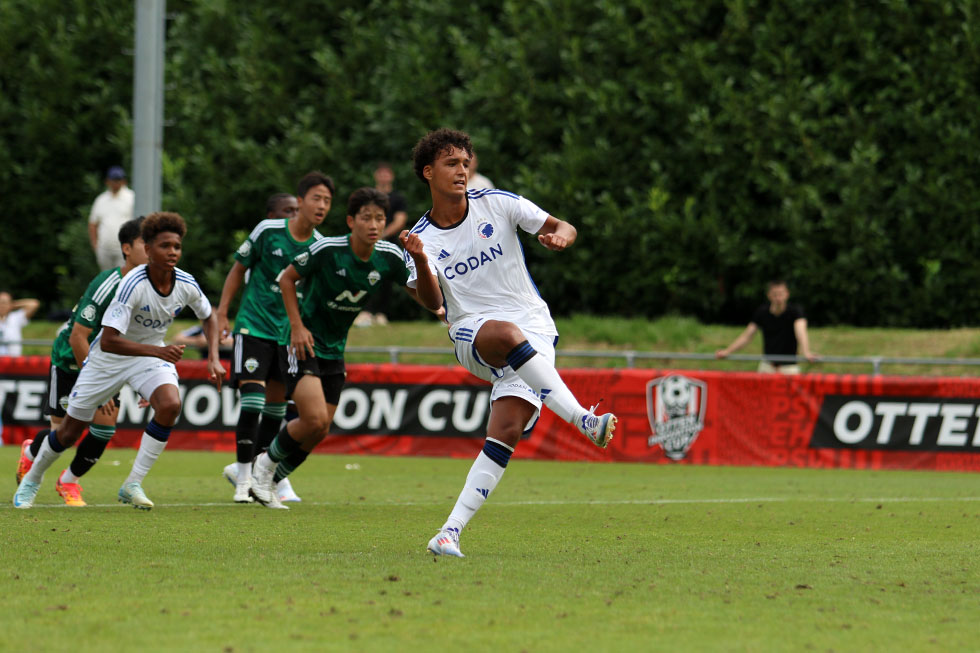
(563, 556)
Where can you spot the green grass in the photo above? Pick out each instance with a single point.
(564, 556)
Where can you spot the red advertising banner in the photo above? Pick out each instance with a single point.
(685, 417)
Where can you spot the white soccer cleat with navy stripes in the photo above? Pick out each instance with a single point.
(446, 543)
(597, 428)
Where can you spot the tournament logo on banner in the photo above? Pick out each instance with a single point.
(676, 406)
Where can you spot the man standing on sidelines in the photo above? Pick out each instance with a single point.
(261, 317)
(339, 275)
(68, 354)
(146, 303)
(465, 252)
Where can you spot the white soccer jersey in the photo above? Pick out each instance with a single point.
(142, 314)
(480, 264)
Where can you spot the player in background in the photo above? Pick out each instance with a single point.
(339, 274)
(68, 354)
(465, 252)
(289, 228)
(146, 303)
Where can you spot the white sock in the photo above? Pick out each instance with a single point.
(480, 482)
(148, 453)
(539, 373)
(244, 471)
(264, 462)
(45, 458)
(68, 477)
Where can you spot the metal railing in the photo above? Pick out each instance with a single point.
(630, 357)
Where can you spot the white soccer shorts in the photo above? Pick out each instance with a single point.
(506, 382)
(103, 375)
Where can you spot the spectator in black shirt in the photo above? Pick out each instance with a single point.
(783, 327)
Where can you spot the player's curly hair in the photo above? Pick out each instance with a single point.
(363, 197)
(159, 222)
(430, 146)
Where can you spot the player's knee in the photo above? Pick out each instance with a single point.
(167, 410)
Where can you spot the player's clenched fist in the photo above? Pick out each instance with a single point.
(412, 244)
(171, 353)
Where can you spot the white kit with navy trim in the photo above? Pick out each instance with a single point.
(480, 264)
(143, 315)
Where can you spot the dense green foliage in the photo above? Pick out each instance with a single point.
(700, 146)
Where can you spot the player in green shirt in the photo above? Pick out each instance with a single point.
(339, 274)
(68, 352)
(290, 228)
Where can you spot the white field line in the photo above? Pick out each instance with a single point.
(562, 502)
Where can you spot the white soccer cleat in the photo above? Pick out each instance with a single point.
(597, 428)
(242, 494)
(230, 472)
(285, 491)
(263, 489)
(25, 494)
(132, 494)
(446, 543)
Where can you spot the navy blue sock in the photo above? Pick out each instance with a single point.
(520, 354)
(497, 452)
(158, 431)
(56, 446)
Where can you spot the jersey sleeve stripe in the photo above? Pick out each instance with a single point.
(477, 194)
(421, 224)
(328, 241)
(107, 287)
(262, 226)
(130, 285)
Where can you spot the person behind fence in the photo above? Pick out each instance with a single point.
(783, 327)
(15, 314)
(111, 209)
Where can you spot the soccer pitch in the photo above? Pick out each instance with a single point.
(563, 556)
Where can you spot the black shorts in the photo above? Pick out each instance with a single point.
(331, 371)
(255, 359)
(60, 383)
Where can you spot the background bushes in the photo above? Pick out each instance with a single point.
(701, 147)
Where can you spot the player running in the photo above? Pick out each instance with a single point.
(146, 303)
(68, 354)
(465, 252)
(339, 274)
(290, 228)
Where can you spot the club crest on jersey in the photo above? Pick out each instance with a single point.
(251, 365)
(88, 313)
(485, 230)
(245, 248)
(676, 406)
(374, 277)
(302, 259)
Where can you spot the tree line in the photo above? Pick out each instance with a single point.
(701, 147)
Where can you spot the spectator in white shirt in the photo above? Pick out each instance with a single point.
(14, 316)
(111, 209)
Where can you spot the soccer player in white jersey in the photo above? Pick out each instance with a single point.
(146, 303)
(465, 252)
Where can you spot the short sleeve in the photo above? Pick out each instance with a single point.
(117, 315)
(412, 271)
(528, 215)
(86, 313)
(201, 306)
(306, 262)
(759, 316)
(248, 253)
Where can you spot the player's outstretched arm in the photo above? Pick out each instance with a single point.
(236, 275)
(114, 343)
(557, 234)
(28, 305)
(300, 338)
(216, 371)
(428, 292)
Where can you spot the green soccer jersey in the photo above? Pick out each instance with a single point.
(87, 312)
(269, 248)
(336, 285)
